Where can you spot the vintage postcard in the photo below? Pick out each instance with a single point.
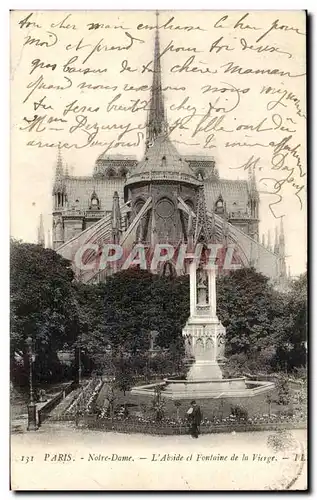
(158, 250)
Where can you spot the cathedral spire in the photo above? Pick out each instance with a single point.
(203, 230)
(40, 232)
(59, 174)
(59, 171)
(66, 170)
(276, 242)
(282, 250)
(116, 218)
(253, 193)
(252, 181)
(282, 237)
(269, 246)
(156, 123)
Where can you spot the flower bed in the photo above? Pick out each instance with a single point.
(172, 427)
(147, 423)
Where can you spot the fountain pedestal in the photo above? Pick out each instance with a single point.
(204, 335)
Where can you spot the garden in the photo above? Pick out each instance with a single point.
(128, 331)
(101, 404)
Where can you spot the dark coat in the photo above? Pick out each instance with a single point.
(196, 416)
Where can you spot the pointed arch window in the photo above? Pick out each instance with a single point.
(94, 201)
(219, 205)
(200, 174)
(168, 269)
(110, 172)
(123, 172)
(60, 198)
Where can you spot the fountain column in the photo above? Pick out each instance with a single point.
(212, 291)
(192, 287)
(203, 329)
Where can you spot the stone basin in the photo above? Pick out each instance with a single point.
(206, 389)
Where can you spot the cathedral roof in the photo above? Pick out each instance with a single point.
(106, 165)
(162, 161)
(105, 157)
(234, 192)
(80, 190)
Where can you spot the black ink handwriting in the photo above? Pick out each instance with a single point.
(62, 24)
(97, 26)
(75, 107)
(38, 42)
(263, 48)
(283, 95)
(41, 104)
(232, 68)
(67, 68)
(215, 46)
(40, 84)
(276, 120)
(281, 27)
(188, 68)
(37, 63)
(168, 25)
(26, 23)
(39, 123)
(102, 47)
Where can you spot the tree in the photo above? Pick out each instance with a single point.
(291, 347)
(92, 339)
(248, 307)
(123, 375)
(123, 311)
(43, 307)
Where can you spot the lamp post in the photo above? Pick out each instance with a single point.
(32, 423)
(78, 368)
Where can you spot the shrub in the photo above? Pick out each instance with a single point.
(283, 390)
(301, 372)
(158, 405)
(239, 412)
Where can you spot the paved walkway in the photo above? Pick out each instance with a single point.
(68, 458)
(19, 405)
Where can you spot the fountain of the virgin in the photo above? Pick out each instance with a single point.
(204, 338)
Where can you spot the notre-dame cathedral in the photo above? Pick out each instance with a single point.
(158, 199)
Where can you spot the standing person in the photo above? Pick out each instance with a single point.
(194, 418)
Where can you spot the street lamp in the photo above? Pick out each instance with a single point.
(78, 369)
(32, 423)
